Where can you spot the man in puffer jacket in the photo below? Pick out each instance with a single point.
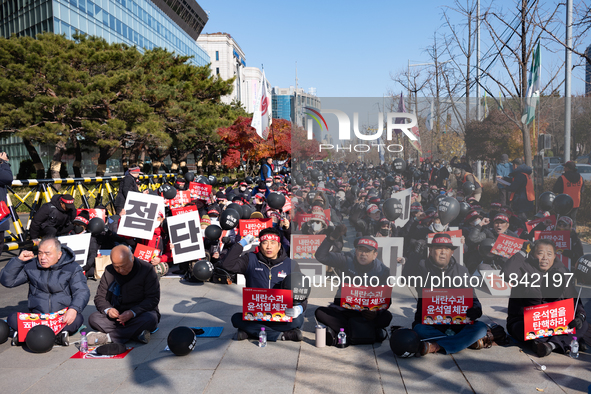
(56, 282)
(54, 218)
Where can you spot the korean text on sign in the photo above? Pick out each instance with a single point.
(361, 298)
(266, 304)
(507, 246)
(549, 319)
(446, 306)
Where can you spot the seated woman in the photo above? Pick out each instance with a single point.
(560, 286)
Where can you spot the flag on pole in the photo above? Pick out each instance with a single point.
(533, 88)
(415, 130)
(500, 101)
(262, 118)
(430, 117)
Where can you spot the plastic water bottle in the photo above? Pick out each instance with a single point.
(84, 343)
(262, 338)
(574, 348)
(342, 338)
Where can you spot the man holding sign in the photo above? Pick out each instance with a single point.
(265, 269)
(442, 269)
(56, 282)
(537, 279)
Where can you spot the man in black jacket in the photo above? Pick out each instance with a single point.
(56, 282)
(54, 218)
(128, 184)
(440, 263)
(127, 301)
(265, 269)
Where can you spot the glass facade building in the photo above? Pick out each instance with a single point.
(281, 107)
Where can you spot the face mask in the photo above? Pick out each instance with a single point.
(78, 229)
(242, 188)
(316, 227)
(476, 222)
(437, 227)
(269, 184)
(384, 231)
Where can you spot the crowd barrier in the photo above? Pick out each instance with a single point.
(95, 191)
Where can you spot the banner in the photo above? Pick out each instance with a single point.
(360, 298)
(546, 320)
(253, 226)
(145, 253)
(506, 246)
(185, 209)
(141, 212)
(186, 240)
(456, 240)
(80, 244)
(182, 198)
(199, 191)
(447, 306)
(261, 118)
(562, 241)
(405, 198)
(266, 304)
(94, 213)
(26, 321)
(305, 246)
(549, 221)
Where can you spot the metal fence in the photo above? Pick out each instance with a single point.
(32, 193)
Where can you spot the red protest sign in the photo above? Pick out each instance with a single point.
(305, 246)
(199, 190)
(254, 226)
(183, 197)
(453, 234)
(446, 306)
(546, 320)
(549, 221)
(287, 205)
(507, 246)
(94, 213)
(562, 241)
(181, 210)
(26, 321)
(92, 353)
(359, 298)
(145, 253)
(266, 304)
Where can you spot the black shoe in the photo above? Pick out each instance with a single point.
(543, 349)
(380, 335)
(144, 337)
(241, 335)
(292, 335)
(62, 339)
(331, 337)
(14, 341)
(582, 345)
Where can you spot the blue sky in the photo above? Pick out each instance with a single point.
(343, 49)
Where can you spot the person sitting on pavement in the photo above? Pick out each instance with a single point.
(265, 269)
(440, 263)
(56, 282)
(542, 262)
(127, 301)
(360, 262)
(54, 218)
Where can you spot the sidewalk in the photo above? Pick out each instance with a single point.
(223, 365)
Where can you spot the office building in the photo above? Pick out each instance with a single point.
(289, 104)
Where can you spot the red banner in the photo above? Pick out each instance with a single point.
(94, 213)
(446, 306)
(507, 246)
(546, 320)
(182, 198)
(26, 321)
(287, 205)
(562, 241)
(185, 209)
(93, 354)
(145, 253)
(266, 304)
(199, 190)
(305, 246)
(549, 221)
(253, 226)
(359, 298)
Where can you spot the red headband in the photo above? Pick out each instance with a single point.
(368, 242)
(81, 219)
(65, 201)
(270, 237)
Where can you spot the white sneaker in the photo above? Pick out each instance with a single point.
(97, 338)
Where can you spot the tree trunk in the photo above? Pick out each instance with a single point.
(525, 128)
(468, 70)
(56, 162)
(104, 154)
(39, 167)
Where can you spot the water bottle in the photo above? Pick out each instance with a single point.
(262, 338)
(84, 343)
(342, 338)
(574, 348)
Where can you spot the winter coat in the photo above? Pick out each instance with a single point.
(518, 186)
(128, 184)
(52, 214)
(50, 289)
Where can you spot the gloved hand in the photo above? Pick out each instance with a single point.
(474, 313)
(527, 247)
(226, 240)
(295, 311)
(577, 322)
(248, 239)
(369, 315)
(338, 232)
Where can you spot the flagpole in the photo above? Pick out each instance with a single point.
(270, 106)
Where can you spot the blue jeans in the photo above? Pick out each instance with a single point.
(453, 344)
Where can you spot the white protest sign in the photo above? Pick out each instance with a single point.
(404, 197)
(79, 243)
(186, 240)
(389, 249)
(141, 212)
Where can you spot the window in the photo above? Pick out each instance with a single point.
(217, 55)
(217, 71)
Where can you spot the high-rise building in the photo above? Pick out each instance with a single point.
(227, 61)
(588, 72)
(290, 104)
